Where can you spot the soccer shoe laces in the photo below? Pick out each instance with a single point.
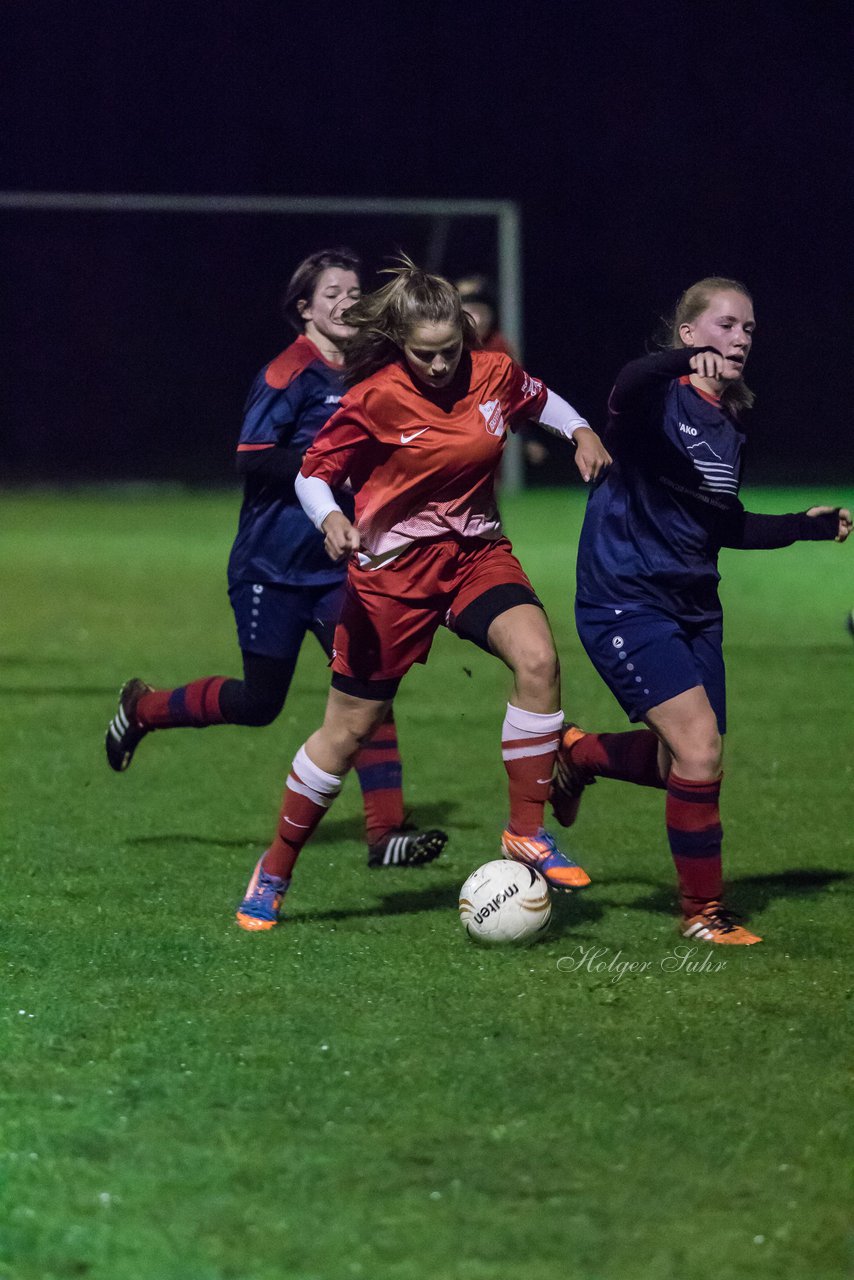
(720, 916)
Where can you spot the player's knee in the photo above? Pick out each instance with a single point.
(348, 739)
(536, 667)
(701, 755)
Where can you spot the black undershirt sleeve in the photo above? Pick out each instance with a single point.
(278, 463)
(749, 531)
(642, 381)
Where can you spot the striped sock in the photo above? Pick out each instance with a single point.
(381, 779)
(192, 706)
(309, 791)
(692, 812)
(628, 757)
(529, 742)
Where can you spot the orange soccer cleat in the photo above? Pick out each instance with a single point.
(714, 923)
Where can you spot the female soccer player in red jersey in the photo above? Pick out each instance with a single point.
(420, 435)
(647, 604)
(281, 582)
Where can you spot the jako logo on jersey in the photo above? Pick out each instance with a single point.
(531, 387)
(686, 430)
(493, 417)
(332, 400)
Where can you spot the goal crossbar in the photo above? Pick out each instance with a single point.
(505, 213)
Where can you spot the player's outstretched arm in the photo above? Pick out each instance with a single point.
(752, 531)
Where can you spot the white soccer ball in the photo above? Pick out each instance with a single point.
(504, 901)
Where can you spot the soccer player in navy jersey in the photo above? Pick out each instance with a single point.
(647, 605)
(281, 582)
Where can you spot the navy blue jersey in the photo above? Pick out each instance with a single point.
(657, 518)
(290, 400)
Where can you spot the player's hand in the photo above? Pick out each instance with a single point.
(591, 456)
(844, 519)
(707, 364)
(341, 538)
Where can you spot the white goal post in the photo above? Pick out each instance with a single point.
(505, 213)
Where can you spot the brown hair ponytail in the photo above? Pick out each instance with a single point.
(384, 319)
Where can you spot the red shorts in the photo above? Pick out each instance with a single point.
(390, 615)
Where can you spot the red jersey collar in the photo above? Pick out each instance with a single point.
(339, 368)
(685, 381)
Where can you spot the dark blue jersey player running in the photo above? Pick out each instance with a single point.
(647, 605)
(282, 583)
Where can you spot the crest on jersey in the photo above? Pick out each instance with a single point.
(493, 417)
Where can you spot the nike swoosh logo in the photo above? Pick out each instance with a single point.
(543, 781)
(404, 439)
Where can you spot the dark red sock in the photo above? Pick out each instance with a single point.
(628, 757)
(692, 812)
(381, 779)
(309, 792)
(529, 742)
(193, 705)
(297, 822)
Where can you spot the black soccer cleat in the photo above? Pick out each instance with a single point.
(406, 847)
(124, 733)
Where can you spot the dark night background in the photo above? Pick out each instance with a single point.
(647, 144)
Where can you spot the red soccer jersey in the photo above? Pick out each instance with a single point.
(423, 462)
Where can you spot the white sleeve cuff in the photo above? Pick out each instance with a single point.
(560, 418)
(316, 498)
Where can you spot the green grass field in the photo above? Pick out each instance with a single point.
(364, 1093)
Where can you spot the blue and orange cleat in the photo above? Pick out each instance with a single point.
(541, 853)
(260, 908)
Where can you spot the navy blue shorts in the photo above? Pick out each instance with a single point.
(273, 620)
(646, 657)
